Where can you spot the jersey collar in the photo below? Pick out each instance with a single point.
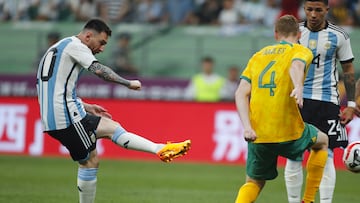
(326, 25)
(285, 42)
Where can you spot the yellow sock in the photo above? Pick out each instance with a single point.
(248, 193)
(315, 168)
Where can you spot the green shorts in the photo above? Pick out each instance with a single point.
(261, 163)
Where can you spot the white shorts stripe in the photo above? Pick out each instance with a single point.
(82, 134)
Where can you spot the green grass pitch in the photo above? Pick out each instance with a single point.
(52, 180)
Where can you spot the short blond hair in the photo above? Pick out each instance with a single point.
(287, 25)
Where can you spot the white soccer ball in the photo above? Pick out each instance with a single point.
(351, 157)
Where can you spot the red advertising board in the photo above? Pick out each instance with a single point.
(214, 128)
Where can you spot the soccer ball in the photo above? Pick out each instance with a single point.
(351, 157)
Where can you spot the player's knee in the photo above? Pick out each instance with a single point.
(92, 161)
(322, 142)
(259, 183)
(95, 162)
(325, 141)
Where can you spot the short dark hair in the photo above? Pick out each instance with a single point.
(208, 59)
(98, 25)
(326, 2)
(124, 35)
(54, 35)
(287, 25)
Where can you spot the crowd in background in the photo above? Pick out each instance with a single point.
(174, 12)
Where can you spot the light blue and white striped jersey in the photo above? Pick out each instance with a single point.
(328, 46)
(58, 73)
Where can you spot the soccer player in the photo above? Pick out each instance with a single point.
(329, 44)
(76, 124)
(268, 100)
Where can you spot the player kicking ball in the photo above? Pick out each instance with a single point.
(76, 124)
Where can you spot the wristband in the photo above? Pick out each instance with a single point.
(351, 104)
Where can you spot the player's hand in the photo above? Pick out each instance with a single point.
(98, 111)
(249, 135)
(135, 85)
(357, 111)
(297, 93)
(346, 115)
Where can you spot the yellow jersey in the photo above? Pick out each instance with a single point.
(208, 91)
(274, 115)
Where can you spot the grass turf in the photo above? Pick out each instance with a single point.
(52, 180)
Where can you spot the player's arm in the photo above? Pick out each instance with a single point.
(297, 74)
(242, 100)
(108, 74)
(349, 82)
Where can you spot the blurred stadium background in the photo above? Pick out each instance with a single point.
(158, 51)
(167, 56)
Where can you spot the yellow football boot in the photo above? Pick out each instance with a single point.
(174, 150)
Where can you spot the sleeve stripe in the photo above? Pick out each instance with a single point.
(245, 78)
(299, 59)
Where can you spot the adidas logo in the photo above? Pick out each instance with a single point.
(126, 144)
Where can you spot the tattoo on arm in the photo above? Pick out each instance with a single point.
(349, 82)
(107, 74)
(357, 90)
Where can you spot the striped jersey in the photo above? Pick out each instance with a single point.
(330, 45)
(57, 75)
(274, 115)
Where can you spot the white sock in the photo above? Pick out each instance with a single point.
(328, 180)
(132, 141)
(293, 180)
(86, 182)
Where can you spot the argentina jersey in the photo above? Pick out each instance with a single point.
(57, 75)
(328, 46)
